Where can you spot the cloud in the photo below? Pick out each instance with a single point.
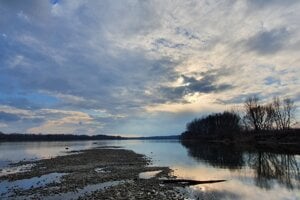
(107, 66)
(69, 123)
(190, 85)
(8, 117)
(268, 42)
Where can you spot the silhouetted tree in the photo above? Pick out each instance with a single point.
(276, 115)
(267, 120)
(283, 113)
(225, 123)
(255, 113)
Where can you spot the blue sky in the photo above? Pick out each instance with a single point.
(141, 67)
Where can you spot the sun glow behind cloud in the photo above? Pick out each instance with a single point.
(104, 67)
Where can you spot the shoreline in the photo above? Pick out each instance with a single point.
(98, 173)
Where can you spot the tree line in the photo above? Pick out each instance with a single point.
(52, 137)
(255, 117)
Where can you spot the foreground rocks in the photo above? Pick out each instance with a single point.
(139, 189)
(92, 167)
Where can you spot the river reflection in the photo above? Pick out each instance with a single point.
(216, 155)
(269, 166)
(268, 169)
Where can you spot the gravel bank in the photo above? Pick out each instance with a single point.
(85, 171)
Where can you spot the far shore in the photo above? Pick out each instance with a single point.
(28, 137)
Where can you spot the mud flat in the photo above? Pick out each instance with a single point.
(99, 173)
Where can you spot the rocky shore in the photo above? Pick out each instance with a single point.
(100, 173)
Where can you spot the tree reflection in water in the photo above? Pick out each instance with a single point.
(216, 155)
(268, 167)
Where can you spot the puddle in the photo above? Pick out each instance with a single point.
(16, 169)
(6, 187)
(148, 175)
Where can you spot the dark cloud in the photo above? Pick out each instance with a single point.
(268, 42)
(8, 117)
(207, 84)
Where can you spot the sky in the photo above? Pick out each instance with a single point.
(141, 67)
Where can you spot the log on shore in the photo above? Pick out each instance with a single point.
(191, 182)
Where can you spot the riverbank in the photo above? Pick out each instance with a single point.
(99, 173)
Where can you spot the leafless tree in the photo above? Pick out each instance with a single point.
(289, 109)
(254, 112)
(259, 117)
(269, 117)
(276, 115)
(283, 113)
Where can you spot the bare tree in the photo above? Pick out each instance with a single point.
(283, 113)
(258, 117)
(277, 113)
(269, 117)
(253, 113)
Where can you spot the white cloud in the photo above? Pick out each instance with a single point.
(3, 125)
(66, 122)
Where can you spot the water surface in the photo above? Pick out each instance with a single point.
(249, 174)
(11, 152)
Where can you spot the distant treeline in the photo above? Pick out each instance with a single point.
(256, 119)
(169, 137)
(14, 137)
(52, 137)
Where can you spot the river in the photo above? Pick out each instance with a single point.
(248, 174)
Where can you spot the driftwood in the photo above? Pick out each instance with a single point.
(191, 182)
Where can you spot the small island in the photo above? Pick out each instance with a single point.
(256, 125)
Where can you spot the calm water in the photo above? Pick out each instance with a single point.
(249, 174)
